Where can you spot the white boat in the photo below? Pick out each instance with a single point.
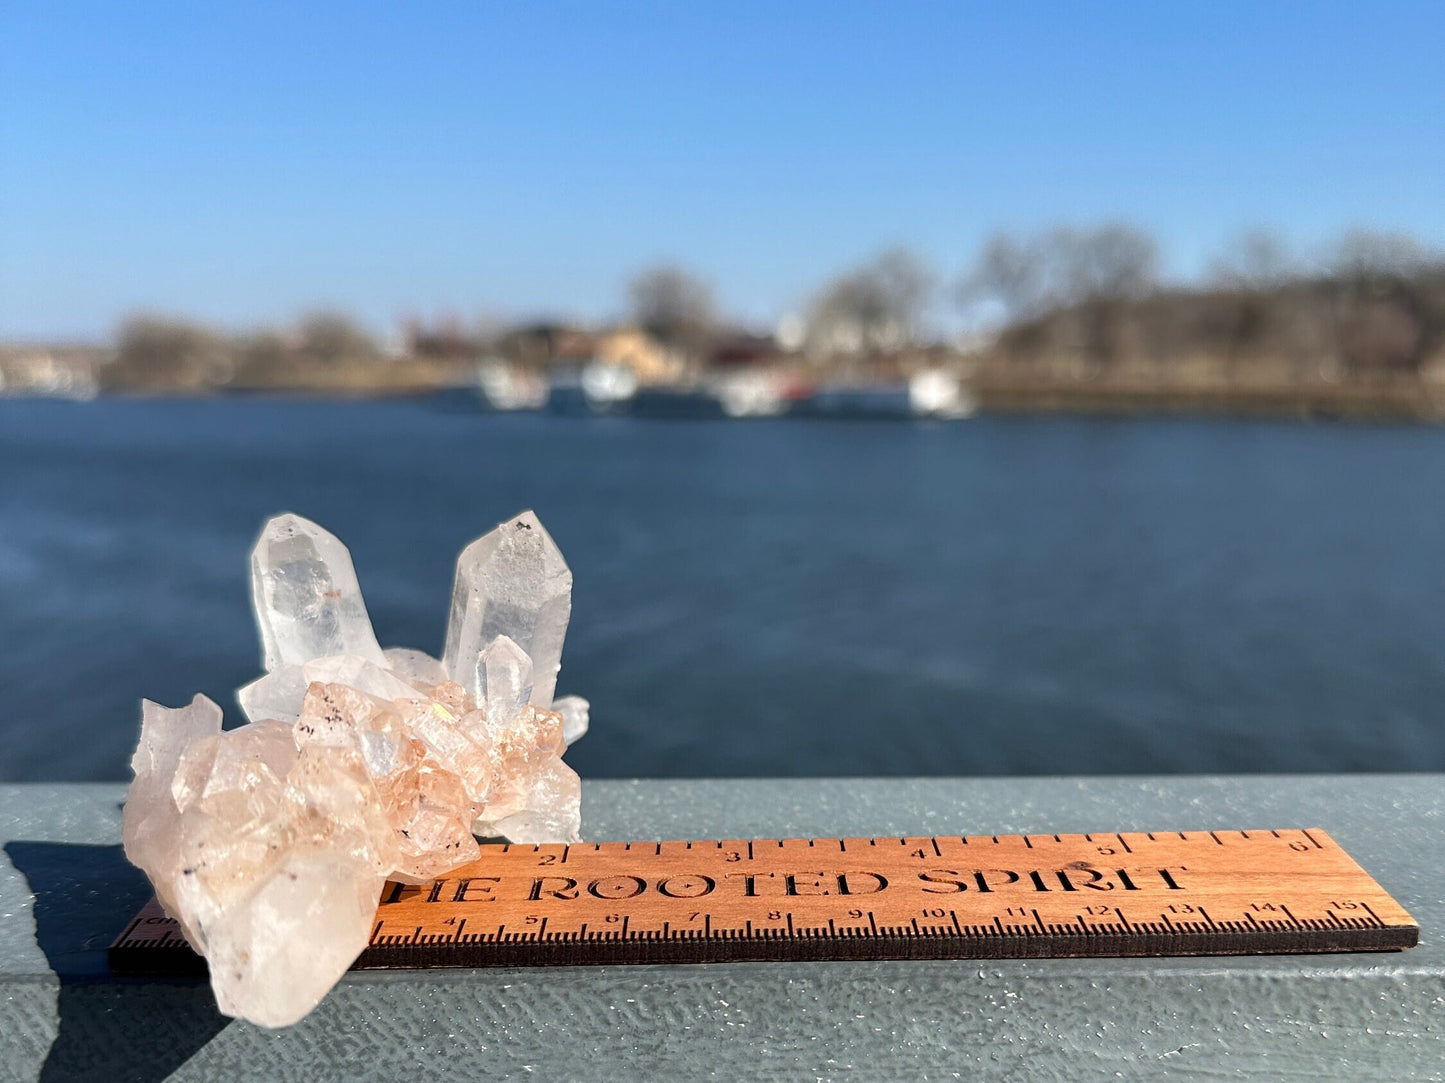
(750, 394)
(941, 394)
(508, 388)
(608, 386)
(46, 376)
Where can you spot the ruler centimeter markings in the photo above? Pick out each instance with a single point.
(942, 897)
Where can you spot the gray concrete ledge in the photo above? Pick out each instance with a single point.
(66, 890)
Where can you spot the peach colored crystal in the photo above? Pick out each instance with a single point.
(270, 843)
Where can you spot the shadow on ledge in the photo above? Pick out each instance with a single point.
(110, 1028)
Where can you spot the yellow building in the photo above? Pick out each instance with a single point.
(634, 349)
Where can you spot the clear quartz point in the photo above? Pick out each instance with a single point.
(510, 582)
(307, 600)
(575, 712)
(505, 674)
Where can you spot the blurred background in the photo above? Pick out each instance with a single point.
(913, 389)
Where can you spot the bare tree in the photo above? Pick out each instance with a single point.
(1258, 259)
(1110, 262)
(262, 356)
(1246, 306)
(1062, 267)
(876, 307)
(1091, 274)
(907, 285)
(163, 351)
(1385, 317)
(331, 337)
(1011, 272)
(674, 305)
(1104, 270)
(1368, 254)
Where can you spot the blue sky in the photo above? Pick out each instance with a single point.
(244, 163)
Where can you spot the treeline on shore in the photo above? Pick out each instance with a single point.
(1068, 307)
(1374, 308)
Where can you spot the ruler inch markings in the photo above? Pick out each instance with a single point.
(818, 898)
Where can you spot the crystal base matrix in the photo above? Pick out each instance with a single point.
(269, 843)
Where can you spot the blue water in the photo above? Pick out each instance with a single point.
(790, 597)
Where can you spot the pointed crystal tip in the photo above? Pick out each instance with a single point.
(510, 582)
(505, 677)
(307, 600)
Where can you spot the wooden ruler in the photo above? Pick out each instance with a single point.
(941, 897)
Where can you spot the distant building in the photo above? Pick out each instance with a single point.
(547, 346)
(744, 351)
(60, 372)
(635, 350)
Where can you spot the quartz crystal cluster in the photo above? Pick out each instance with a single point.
(269, 843)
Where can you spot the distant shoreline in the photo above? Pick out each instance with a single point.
(1056, 384)
(1408, 401)
(1412, 400)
